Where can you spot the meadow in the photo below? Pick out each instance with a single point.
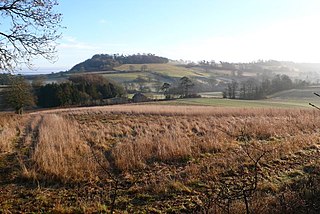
(160, 159)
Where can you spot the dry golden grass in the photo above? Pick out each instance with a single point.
(136, 135)
(140, 134)
(60, 153)
(179, 151)
(10, 128)
(168, 110)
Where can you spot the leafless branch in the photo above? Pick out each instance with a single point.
(32, 31)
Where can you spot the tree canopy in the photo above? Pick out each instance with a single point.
(186, 85)
(19, 95)
(29, 28)
(81, 90)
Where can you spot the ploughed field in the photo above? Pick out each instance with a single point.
(161, 159)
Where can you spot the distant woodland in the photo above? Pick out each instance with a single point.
(79, 90)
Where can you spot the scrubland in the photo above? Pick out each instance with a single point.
(161, 159)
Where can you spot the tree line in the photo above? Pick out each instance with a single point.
(252, 89)
(79, 90)
(101, 62)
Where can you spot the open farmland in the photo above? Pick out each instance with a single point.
(158, 72)
(160, 159)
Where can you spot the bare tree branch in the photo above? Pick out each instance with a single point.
(31, 30)
(314, 106)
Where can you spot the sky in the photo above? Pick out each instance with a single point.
(220, 30)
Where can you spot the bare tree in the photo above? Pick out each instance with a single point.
(231, 89)
(29, 28)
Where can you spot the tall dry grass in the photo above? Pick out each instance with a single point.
(60, 153)
(169, 110)
(182, 151)
(135, 136)
(11, 126)
(138, 135)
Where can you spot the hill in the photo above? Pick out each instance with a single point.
(105, 62)
(146, 73)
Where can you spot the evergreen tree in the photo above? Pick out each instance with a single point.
(186, 85)
(19, 95)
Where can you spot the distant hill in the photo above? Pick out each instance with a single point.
(107, 62)
(147, 72)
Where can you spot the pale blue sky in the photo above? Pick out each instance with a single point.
(228, 30)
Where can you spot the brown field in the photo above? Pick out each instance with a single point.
(160, 159)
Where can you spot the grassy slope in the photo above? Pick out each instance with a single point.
(154, 71)
(122, 77)
(160, 72)
(164, 69)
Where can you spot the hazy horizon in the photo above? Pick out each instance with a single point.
(53, 69)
